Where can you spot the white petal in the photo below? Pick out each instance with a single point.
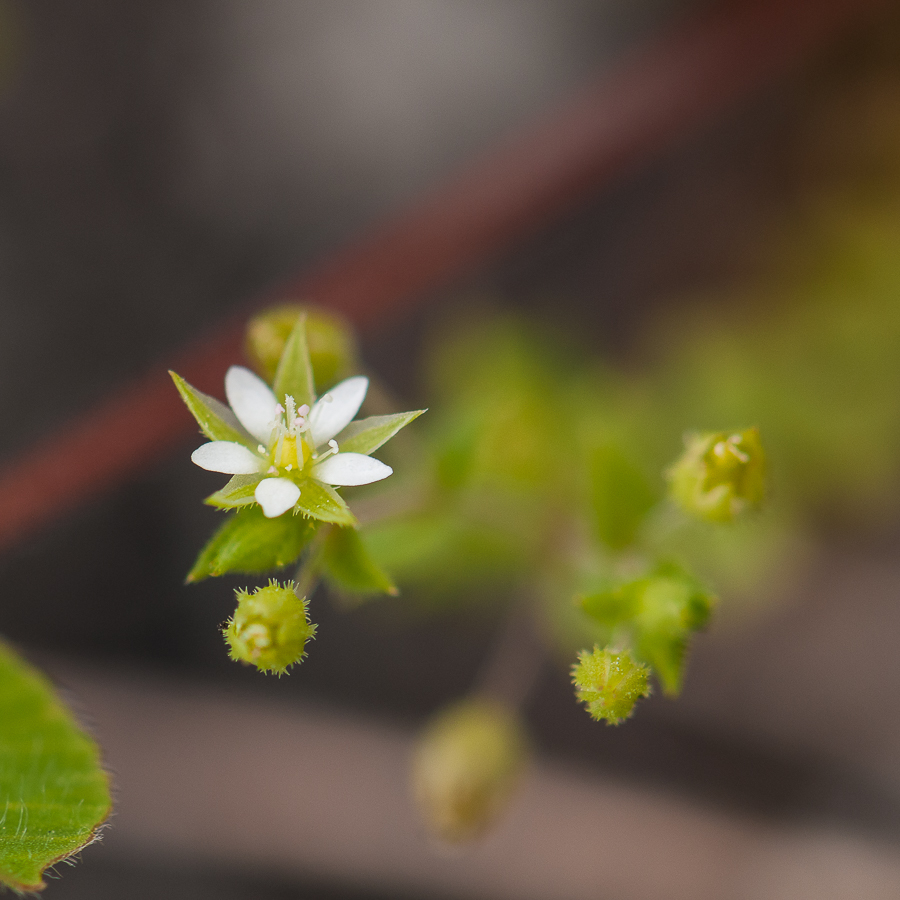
(334, 411)
(276, 496)
(227, 457)
(350, 468)
(252, 401)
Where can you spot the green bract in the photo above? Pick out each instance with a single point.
(609, 683)
(53, 793)
(658, 612)
(720, 475)
(269, 628)
(349, 567)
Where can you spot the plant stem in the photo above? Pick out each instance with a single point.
(307, 577)
(511, 670)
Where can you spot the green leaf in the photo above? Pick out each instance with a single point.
(620, 496)
(215, 419)
(53, 793)
(294, 377)
(367, 435)
(238, 492)
(349, 566)
(323, 502)
(671, 605)
(249, 542)
(611, 605)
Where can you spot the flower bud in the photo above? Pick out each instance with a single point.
(466, 766)
(720, 474)
(269, 628)
(332, 350)
(609, 683)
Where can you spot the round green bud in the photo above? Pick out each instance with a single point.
(720, 475)
(269, 628)
(609, 683)
(466, 766)
(332, 349)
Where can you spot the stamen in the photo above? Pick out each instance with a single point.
(304, 410)
(260, 448)
(334, 445)
(272, 471)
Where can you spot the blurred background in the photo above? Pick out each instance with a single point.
(163, 166)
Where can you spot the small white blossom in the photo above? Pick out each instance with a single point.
(295, 444)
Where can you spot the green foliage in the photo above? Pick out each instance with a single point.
(367, 435)
(659, 613)
(249, 542)
(323, 502)
(238, 492)
(215, 419)
(53, 793)
(609, 683)
(620, 497)
(332, 349)
(269, 628)
(349, 567)
(466, 765)
(294, 375)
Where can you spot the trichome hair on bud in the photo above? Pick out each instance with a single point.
(269, 628)
(609, 683)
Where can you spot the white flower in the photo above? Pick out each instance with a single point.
(295, 444)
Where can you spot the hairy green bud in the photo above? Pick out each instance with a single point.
(466, 766)
(609, 683)
(720, 475)
(269, 628)
(332, 350)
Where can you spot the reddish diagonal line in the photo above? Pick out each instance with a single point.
(630, 115)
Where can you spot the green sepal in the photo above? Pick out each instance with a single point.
(238, 492)
(249, 542)
(671, 606)
(350, 568)
(620, 497)
(367, 435)
(215, 419)
(294, 376)
(323, 502)
(54, 794)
